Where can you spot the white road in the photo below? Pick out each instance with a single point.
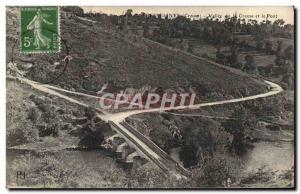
(116, 118)
(274, 89)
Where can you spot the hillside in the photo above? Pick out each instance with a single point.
(224, 143)
(100, 57)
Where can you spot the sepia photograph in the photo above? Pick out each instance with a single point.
(150, 97)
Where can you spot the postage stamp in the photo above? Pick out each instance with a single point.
(159, 97)
(40, 29)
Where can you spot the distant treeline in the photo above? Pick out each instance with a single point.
(210, 28)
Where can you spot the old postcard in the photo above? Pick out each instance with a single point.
(150, 97)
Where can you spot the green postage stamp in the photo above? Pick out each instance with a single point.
(40, 29)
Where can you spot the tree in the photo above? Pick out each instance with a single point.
(269, 47)
(259, 45)
(162, 137)
(90, 133)
(129, 12)
(200, 137)
(220, 57)
(91, 139)
(279, 44)
(233, 58)
(189, 154)
(289, 53)
(250, 65)
(279, 22)
(288, 80)
(242, 120)
(279, 60)
(213, 173)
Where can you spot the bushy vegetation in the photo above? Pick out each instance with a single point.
(34, 118)
(240, 35)
(241, 121)
(213, 174)
(65, 169)
(124, 62)
(198, 138)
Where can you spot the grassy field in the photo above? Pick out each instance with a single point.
(127, 62)
(64, 169)
(261, 59)
(252, 42)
